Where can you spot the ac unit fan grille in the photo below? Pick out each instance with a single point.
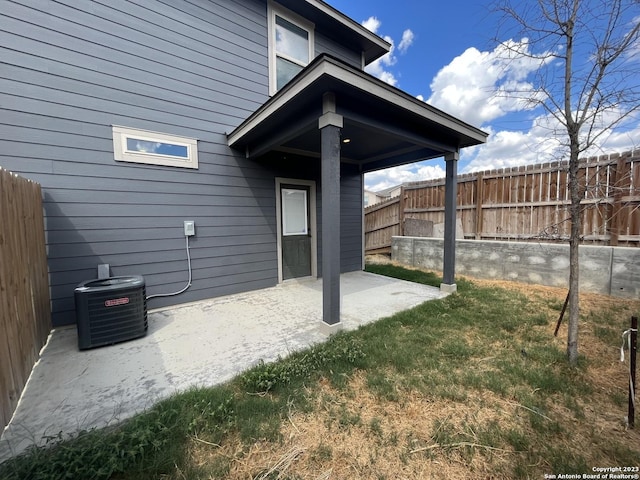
(110, 324)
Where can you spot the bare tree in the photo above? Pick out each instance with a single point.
(588, 83)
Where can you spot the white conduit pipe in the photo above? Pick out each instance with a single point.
(185, 287)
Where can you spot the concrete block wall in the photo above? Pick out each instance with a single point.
(606, 270)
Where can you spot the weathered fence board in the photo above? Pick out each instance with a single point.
(524, 203)
(382, 225)
(25, 315)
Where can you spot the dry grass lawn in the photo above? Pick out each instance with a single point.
(353, 432)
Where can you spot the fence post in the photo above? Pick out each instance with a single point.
(633, 338)
(479, 198)
(401, 206)
(615, 225)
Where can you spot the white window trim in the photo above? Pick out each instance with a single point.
(121, 154)
(274, 9)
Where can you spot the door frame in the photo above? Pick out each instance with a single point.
(313, 223)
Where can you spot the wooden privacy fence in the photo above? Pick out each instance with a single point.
(25, 312)
(523, 203)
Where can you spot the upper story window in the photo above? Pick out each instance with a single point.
(290, 46)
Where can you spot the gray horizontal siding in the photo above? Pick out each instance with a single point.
(150, 234)
(325, 45)
(218, 196)
(70, 70)
(109, 223)
(144, 178)
(99, 248)
(175, 261)
(126, 110)
(114, 34)
(64, 211)
(238, 253)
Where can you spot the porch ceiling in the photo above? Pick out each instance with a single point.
(384, 125)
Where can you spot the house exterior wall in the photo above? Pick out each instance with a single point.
(326, 45)
(72, 69)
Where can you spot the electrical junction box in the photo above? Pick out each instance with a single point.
(189, 228)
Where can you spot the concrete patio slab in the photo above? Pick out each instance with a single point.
(199, 344)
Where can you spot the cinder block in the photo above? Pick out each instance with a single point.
(625, 272)
(428, 253)
(402, 250)
(606, 270)
(595, 268)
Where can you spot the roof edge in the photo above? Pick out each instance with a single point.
(413, 101)
(371, 54)
(327, 65)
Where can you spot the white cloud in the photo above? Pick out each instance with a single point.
(372, 24)
(391, 177)
(407, 41)
(633, 52)
(619, 141)
(507, 148)
(380, 67)
(479, 87)
(544, 141)
(625, 135)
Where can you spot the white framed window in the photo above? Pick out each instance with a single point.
(143, 146)
(294, 212)
(291, 45)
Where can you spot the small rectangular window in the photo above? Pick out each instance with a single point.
(138, 145)
(143, 146)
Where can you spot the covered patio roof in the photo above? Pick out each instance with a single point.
(341, 114)
(385, 126)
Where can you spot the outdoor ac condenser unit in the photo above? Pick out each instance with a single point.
(110, 310)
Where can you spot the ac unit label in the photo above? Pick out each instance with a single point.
(116, 301)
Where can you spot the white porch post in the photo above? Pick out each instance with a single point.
(450, 197)
(330, 125)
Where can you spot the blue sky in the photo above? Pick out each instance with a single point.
(445, 53)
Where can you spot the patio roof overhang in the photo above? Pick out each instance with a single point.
(330, 102)
(384, 125)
